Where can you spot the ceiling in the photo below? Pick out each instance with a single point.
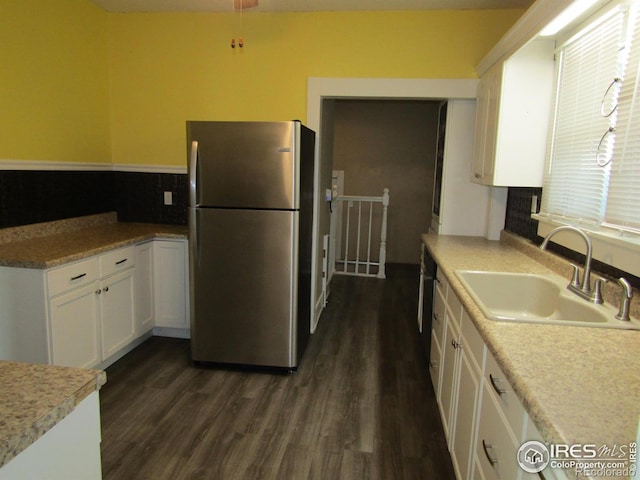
(304, 5)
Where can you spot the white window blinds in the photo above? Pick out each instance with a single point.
(623, 202)
(575, 185)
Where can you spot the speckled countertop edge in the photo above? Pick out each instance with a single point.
(68, 246)
(578, 385)
(34, 398)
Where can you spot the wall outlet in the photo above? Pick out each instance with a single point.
(168, 198)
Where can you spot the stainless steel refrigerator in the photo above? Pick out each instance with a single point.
(250, 229)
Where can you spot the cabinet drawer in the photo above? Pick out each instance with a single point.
(472, 342)
(496, 448)
(510, 404)
(71, 276)
(119, 259)
(439, 308)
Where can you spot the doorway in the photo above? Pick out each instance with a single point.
(321, 96)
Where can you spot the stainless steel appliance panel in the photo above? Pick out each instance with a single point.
(245, 164)
(244, 266)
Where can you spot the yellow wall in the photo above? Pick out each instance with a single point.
(54, 95)
(80, 85)
(169, 68)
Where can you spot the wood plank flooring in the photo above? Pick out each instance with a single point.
(361, 405)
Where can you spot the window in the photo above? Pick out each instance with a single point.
(593, 175)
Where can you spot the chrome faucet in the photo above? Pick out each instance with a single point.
(582, 289)
(625, 303)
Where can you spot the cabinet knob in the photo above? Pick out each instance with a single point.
(98, 292)
(433, 364)
(455, 344)
(477, 175)
(106, 289)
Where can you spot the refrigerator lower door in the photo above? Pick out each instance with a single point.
(243, 286)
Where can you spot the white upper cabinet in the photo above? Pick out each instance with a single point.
(512, 118)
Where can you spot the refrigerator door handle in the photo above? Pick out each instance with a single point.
(193, 172)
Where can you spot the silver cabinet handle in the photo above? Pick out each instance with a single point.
(495, 383)
(77, 277)
(487, 447)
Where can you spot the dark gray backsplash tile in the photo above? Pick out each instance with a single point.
(33, 196)
(40, 196)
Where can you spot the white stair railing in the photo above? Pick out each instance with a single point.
(351, 262)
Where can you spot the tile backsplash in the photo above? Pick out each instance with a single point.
(140, 197)
(34, 196)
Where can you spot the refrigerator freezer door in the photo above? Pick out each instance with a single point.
(245, 164)
(244, 298)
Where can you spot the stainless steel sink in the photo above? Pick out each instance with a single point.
(536, 298)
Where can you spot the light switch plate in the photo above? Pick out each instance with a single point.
(168, 198)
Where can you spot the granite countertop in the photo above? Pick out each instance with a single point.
(578, 384)
(34, 398)
(57, 246)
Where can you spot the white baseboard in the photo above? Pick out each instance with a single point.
(172, 332)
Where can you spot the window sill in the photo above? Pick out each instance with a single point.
(621, 251)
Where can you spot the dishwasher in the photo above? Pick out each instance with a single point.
(426, 291)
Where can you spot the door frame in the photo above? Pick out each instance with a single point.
(321, 88)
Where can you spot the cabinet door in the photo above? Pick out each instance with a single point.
(484, 145)
(435, 361)
(170, 281)
(117, 314)
(496, 448)
(448, 382)
(74, 328)
(467, 401)
(144, 288)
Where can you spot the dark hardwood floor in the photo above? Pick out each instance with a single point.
(361, 405)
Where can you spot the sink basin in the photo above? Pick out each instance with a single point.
(536, 298)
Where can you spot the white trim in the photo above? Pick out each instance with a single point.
(319, 88)
(44, 165)
(150, 168)
(71, 166)
(524, 30)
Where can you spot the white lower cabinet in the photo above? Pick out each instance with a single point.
(75, 330)
(496, 448)
(171, 284)
(144, 287)
(483, 420)
(69, 450)
(117, 311)
(91, 322)
(91, 312)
